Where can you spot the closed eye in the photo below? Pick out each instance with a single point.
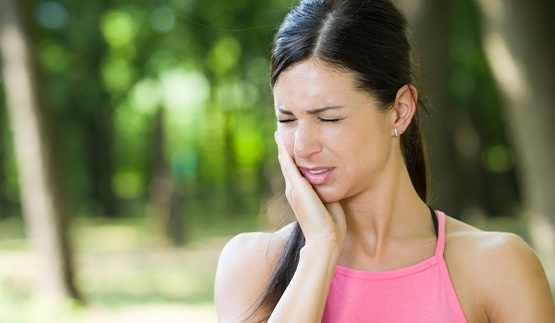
(329, 120)
(286, 120)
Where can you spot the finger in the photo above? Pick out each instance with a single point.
(288, 166)
(296, 186)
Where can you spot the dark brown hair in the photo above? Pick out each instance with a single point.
(368, 38)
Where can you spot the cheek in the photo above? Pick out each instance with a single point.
(360, 146)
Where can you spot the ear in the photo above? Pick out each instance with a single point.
(404, 108)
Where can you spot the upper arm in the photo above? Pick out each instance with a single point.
(515, 283)
(242, 274)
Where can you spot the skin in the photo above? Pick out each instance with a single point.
(362, 212)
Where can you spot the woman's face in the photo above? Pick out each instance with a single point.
(338, 138)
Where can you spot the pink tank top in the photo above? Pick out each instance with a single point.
(421, 293)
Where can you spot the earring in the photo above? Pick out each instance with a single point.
(396, 132)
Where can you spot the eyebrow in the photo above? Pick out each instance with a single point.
(312, 111)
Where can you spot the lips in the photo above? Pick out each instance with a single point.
(317, 176)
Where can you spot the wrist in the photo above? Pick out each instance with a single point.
(322, 250)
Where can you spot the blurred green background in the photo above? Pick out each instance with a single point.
(162, 142)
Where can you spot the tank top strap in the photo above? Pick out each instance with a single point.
(440, 245)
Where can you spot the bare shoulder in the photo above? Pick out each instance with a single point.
(244, 268)
(492, 271)
(487, 247)
(259, 248)
(474, 242)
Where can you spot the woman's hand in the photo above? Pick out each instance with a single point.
(321, 223)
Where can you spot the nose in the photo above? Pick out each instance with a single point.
(307, 140)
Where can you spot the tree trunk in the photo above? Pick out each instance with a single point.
(96, 116)
(43, 203)
(164, 205)
(4, 200)
(519, 39)
(99, 145)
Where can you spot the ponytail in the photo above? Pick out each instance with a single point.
(413, 147)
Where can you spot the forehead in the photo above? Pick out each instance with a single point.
(314, 82)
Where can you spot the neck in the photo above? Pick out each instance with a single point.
(392, 210)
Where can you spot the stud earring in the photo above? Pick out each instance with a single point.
(396, 132)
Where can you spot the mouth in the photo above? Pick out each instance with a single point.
(319, 171)
(317, 176)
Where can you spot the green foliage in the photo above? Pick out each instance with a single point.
(474, 95)
(110, 67)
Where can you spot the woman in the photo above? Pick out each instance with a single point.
(365, 246)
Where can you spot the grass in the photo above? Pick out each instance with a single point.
(124, 270)
(127, 274)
